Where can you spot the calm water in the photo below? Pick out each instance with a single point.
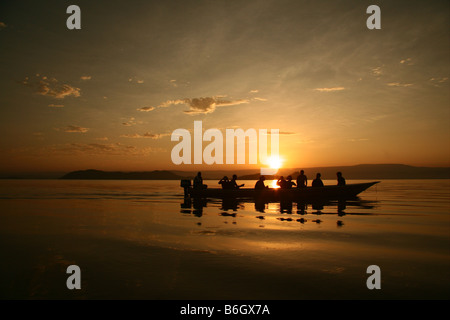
(141, 240)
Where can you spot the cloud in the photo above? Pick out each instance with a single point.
(56, 105)
(260, 99)
(377, 71)
(397, 84)
(330, 89)
(101, 149)
(86, 78)
(86, 149)
(145, 135)
(209, 104)
(358, 140)
(131, 122)
(407, 61)
(199, 105)
(254, 91)
(140, 81)
(51, 87)
(438, 81)
(146, 109)
(74, 129)
(102, 139)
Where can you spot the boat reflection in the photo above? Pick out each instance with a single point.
(318, 207)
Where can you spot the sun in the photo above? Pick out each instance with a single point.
(275, 162)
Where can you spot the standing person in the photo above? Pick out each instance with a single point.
(233, 183)
(340, 179)
(317, 182)
(198, 181)
(302, 180)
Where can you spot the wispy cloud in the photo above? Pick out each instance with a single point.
(56, 105)
(377, 71)
(398, 84)
(145, 135)
(73, 129)
(199, 105)
(131, 122)
(330, 89)
(407, 61)
(86, 78)
(358, 140)
(134, 79)
(438, 81)
(51, 87)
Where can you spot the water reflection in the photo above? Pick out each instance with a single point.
(230, 206)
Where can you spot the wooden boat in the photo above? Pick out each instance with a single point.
(327, 192)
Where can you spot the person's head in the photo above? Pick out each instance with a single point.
(234, 176)
(199, 174)
(302, 172)
(339, 174)
(262, 178)
(289, 178)
(318, 176)
(281, 178)
(225, 178)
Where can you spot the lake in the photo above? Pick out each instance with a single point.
(141, 240)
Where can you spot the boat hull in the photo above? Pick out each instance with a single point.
(326, 192)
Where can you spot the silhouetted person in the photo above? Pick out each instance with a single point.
(281, 182)
(317, 182)
(289, 183)
(302, 180)
(198, 181)
(233, 183)
(340, 179)
(260, 183)
(225, 183)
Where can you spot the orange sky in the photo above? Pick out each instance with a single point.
(109, 96)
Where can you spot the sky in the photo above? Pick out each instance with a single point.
(109, 96)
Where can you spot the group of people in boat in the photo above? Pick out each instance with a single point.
(302, 182)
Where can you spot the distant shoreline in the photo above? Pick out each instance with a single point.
(356, 172)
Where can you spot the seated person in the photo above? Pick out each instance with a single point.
(281, 182)
(225, 183)
(260, 183)
(289, 183)
(340, 179)
(233, 183)
(317, 182)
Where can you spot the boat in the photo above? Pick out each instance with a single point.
(327, 192)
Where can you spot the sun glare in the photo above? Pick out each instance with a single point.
(275, 162)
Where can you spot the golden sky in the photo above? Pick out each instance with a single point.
(109, 96)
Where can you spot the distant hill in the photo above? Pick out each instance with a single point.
(357, 172)
(105, 175)
(369, 171)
